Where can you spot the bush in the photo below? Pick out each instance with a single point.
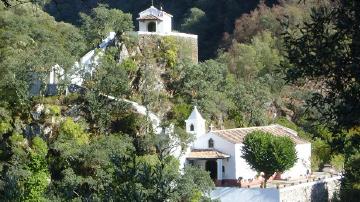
(54, 110)
(350, 188)
(69, 130)
(170, 51)
(129, 65)
(337, 161)
(268, 153)
(320, 154)
(289, 124)
(5, 122)
(195, 184)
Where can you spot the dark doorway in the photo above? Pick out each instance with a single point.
(211, 166)
(152, 27)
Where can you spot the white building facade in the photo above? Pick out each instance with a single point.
(220, 151)
(155, 20)
(155, 23)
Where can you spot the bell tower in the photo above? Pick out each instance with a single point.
(195, 124)
(155, 21)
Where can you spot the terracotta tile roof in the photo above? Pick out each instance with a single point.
(149, 17)
(206, 154)
(237, 135)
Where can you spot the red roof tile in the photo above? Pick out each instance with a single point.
(149, 17)
(206, 154)
(237, 135)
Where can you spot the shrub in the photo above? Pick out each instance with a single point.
(337, 161)
(320, 154)
(268, 153)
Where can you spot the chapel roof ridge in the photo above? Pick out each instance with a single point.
(250, 127)
(236, 135)
(156, 10)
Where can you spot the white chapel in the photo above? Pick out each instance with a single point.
(155, 23)
(219, 151)
(155, 20)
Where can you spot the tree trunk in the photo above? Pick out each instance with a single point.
(266, 176)
(264, 184)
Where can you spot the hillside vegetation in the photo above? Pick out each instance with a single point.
(84, 146)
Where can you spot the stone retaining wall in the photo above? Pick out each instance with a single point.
(321, 190)
(188, 43)
(315, 191)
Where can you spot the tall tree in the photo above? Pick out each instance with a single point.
(268, 153)
(326, 51)
(29, 48)
(102, 20)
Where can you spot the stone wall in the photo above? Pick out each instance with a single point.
(320, 190)
(187, 43)
(315, 191)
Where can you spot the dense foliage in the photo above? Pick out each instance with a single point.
(209, 19)
(81, 145)
(267, 153)
(85, 146)
(327, 53)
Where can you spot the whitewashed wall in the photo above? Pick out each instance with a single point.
(222, 146)
(143, 26)
(243, 169)
(165, 26)
(236, 166)
(303, 164)
(301, 167)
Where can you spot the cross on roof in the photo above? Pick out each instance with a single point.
(211, 127)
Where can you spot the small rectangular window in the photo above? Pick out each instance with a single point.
(211, 143)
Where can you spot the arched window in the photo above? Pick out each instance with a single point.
(151, 27)
(211, 143)
(192, 128)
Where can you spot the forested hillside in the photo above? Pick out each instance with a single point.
(211, 20)
(261, 63)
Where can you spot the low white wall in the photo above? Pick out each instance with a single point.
(321, 190)
(232, 194)
(169, 34)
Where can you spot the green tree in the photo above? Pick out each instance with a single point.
(328, 46)
(102, 20)
(260, 57)
(195, 21)
(90, 169)
(5, 122)
(109, 78)
(29, 48)
(327, 53)
(25, 175)
(194, 184)
(268, 153)
(251, 100)
(210, 92)
(320, 154)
